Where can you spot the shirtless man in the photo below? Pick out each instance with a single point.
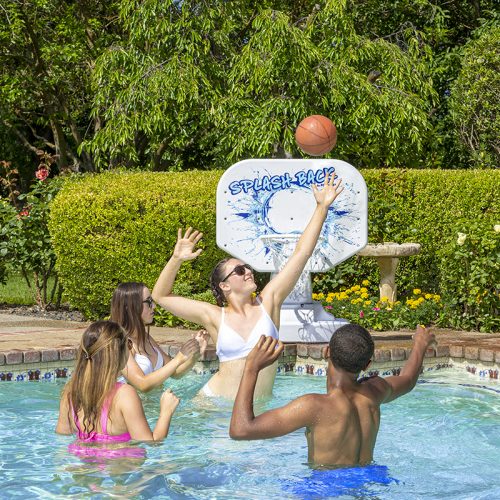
(341, 425)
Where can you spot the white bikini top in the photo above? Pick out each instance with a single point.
(145, 363)
(230, 345)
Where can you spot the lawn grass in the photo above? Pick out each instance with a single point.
(16, 291)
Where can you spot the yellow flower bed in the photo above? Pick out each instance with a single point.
(357, 305)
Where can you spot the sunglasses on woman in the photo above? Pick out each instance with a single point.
(239, 270)
(149, 301)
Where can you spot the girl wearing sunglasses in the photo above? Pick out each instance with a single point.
(238, 320)
(148, 366)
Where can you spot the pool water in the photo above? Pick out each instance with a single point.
(440, 441)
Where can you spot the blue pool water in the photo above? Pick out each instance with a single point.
(440, 441)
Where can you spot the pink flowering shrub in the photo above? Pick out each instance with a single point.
(42, 173)
(25, 242)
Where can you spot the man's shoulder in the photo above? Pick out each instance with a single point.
(375, 386)
(311, 399)
(371, 380)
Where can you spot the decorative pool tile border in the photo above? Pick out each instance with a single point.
(302, 359)
(36, 371)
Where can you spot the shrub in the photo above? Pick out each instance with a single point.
(474, 103)
(420, 206)
(8, 213)
(114, 227)
(117, 227)
(25, 242)
(470, 277)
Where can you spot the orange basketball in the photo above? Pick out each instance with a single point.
(316, 135)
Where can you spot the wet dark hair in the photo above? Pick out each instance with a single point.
(351, 348)
(215, 279)
(101, 356)
(126, 310)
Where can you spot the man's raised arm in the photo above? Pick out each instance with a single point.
(407, 379)
(273, 423)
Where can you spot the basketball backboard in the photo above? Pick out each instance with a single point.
(257, 198)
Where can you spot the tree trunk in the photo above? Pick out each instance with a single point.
(158, 155)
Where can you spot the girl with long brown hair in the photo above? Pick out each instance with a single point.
(96, 406)
(148, 366)
(238, 320)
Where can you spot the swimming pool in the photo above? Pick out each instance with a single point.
(440, 441)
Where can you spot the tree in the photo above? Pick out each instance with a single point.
(157, 89)
(446, 26)
(198, 85)
(378, 94)
(474, 103)
(47, 49)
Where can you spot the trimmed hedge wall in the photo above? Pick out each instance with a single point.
(428, 207)
(116, 227)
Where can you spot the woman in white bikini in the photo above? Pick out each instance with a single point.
(236, 327)
(148, 366)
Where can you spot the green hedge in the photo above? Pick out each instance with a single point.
(110, 228)
(431, 207)
(117, 227)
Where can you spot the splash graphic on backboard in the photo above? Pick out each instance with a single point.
(262, 202)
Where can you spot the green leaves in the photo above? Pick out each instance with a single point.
(176, 85)
(46, 51)
(115, 227)
(474, 103)
(470, 274)
(234, 80)
(25, 242)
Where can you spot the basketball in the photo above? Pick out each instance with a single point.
(316, 135)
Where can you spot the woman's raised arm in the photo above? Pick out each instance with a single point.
(278, 289)
(192, 310)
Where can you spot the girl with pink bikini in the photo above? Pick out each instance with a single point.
(98, 408)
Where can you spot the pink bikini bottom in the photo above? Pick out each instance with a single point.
(91, 453)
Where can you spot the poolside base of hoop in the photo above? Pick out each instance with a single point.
(307, 322)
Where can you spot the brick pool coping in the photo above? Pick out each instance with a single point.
(37, 364)
(313, 351)
(34, 348)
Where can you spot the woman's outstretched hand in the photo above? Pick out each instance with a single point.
(189, 348)
(184, 248)
(331, 189)
(202, 337)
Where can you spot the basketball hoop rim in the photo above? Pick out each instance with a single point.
(284, 236)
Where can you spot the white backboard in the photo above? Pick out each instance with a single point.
(273, 197)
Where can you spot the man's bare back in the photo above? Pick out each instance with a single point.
(341, 425)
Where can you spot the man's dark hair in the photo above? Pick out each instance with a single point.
(351, 348)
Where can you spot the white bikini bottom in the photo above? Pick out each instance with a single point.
(206, 391)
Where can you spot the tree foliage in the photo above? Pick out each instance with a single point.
(190, 84)
(231, 80)
(474, 103)
(156, 88)
(446, 26)
(47, 50)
